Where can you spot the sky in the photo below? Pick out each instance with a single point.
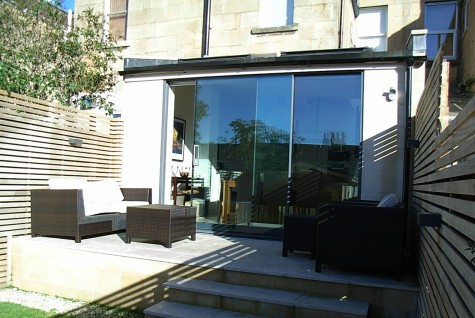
(68, 4)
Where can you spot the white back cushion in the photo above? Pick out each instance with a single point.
(389, 201)
(67, 183)
(102, 191)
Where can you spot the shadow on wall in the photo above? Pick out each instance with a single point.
(382, 164)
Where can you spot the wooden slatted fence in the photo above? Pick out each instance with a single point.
(444, 183)
(38, 141)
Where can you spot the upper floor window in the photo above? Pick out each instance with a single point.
(117, 14)
(275, 13)
(372, 28)
(441, 25)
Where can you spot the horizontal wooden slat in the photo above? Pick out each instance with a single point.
(438, 299)
(40, 130)
(14, 221)
(448, 277)
(444, 183)
(454, 187)
(59, 113)
(17, 232)
(16, 210)
(6, 205)
(13, 227)
(5, 216)
(58, 156)
(452, 171)
(443, 159)
(12, 198)
(461, 206)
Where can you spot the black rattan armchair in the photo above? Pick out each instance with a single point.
(361, 236)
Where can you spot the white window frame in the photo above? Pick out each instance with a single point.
(363, 39)
(454, 32)
(276, 13)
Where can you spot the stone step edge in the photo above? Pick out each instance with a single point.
(169, 309)
(272, 296)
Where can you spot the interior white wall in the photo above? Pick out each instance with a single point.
(142, 113)
(383, 134)
(180, 105)
(184, 109)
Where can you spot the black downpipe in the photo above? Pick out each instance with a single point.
(408, 253)
(408, 135)
(340, 26)
(206, 27)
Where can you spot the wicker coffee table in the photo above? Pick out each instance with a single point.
(163, 223)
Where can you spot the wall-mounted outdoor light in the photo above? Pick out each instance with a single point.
(413, 143)
(391, 94)
(429, 219)
(75, 142)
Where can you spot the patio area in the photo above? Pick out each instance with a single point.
(108, 270)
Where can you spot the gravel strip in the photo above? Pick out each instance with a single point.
(57, 305)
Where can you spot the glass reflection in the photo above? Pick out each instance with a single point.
(245, 134)
(327, 121)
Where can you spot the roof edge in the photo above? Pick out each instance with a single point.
(338, 56)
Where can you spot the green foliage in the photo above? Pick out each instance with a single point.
(10, 310)
(39, 58)
(264, 145)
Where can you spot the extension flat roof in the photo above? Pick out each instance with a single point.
(339, 56)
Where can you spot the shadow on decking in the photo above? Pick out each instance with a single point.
(209, 257)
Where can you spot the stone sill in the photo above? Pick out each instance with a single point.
(123, 43)
(281, 29)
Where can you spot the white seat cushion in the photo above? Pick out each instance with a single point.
(93, 208)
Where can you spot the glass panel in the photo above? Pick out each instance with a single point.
(372, 28)
(272, 148)
(326, 140)
(290, 12)
(434, 41)
(275, 13)
(372, 22)
(117, 26)
(440, 16)
(441, 21)
(224, 113)
(118, 6)
(243, 131)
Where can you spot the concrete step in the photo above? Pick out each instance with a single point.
(262, 301)
(317, 287)
(168, 309)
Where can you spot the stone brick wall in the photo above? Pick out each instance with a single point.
(173, 29)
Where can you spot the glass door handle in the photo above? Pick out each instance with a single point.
(196, 155)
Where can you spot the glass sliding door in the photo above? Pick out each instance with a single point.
(326, 140)
(272, 150)
(269, 145)
(225, 109)
(242, 133)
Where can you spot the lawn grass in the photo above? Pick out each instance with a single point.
(14, 310)
(10, 310)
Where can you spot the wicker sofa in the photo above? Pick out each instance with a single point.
(78, 210)
(361, 235)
